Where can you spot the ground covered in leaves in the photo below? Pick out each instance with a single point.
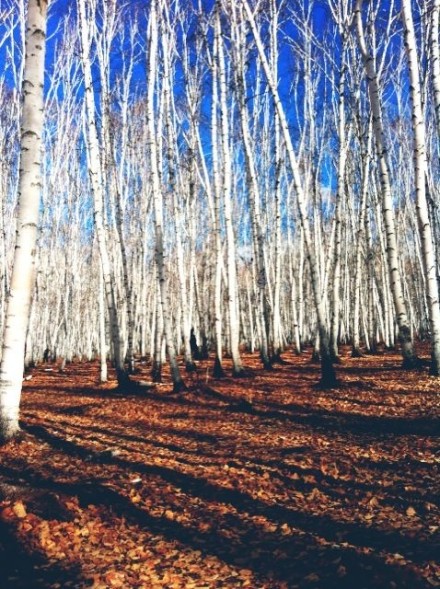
(261, 482)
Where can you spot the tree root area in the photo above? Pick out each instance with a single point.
(267, 482)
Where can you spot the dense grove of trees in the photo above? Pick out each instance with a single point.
(264, 173)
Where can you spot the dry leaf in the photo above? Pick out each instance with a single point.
(19, 510)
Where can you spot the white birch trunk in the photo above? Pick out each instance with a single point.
(340, 197)
(102, 334)
(234, 323)
(435, 59)
(408, 353)
(420, 164)
(254, 200)
(29, 189)
(218, 315)
(328, 377)
(95, 171)
(356, 351)
(178, 383)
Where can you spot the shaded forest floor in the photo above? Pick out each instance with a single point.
(262, 482)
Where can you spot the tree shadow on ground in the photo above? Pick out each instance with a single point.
(324, 526)
(283, 555)
(341, 422)
(22, 569)
(219, 448)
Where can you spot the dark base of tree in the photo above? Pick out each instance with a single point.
(356, 353)
(238, 372)
(218, 371)
(413, 363)
(125, 384)
(277, 359)
(328, 375)
(190, 367)
(267, 364)
(156, 372)
(434, 368)
(372, 350)
(315, 357)
(179, 387)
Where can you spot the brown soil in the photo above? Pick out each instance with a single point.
(263, 482)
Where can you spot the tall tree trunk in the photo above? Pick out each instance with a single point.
(102, 334)
(29, 188)
(178, 383)
(254, 198)
(435, 60)
(218, 311)
(340, 197)
(356, 351)
(409, 356)
(328, 376)
(420, 164)
(234, 323)
(96, 180)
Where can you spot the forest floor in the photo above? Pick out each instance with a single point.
(260, 482)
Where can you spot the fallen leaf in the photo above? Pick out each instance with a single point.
(19, 510)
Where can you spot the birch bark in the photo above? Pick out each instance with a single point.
(23, 272)
(409, 357)
(254, 198)
(435, 59)
(97, 185)
(178, 383)
(234, 325)
(420, 165)
(328, 376)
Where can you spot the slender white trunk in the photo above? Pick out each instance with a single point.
(177, 208)
(102, 335)
(276, 327)
(218, 315)
(328, 374)
(408, 353)
(435, 59)
(340, 197)
(23, 271)
(96, 180)
(158, 199)
(254, 199)
(360, 242)
(420, 164)
(234, 323)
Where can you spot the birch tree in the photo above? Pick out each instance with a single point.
(233, 315)
(158, 197)
(409, 357)
(328, 376)
(218, 311)
(435, 59)
(30, 182)
(340, 11)
(97, 185)
(420, 173)
(253, 191)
